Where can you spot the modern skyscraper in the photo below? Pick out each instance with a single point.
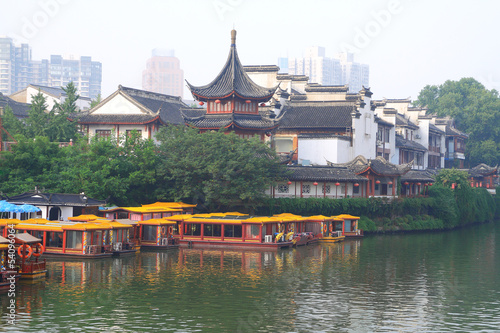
(163, 74)
(18, 70)
(85, 74)
(330, 71)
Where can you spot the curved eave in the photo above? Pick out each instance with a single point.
(122, 122)
(202, 98)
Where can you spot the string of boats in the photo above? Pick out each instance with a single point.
(162, 225)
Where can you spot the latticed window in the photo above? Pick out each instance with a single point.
(103, 133)
(283, 188)
(326, 189)
(306, 188)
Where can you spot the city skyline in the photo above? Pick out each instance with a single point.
(407, 44)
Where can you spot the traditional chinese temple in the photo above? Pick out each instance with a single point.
(232, 101)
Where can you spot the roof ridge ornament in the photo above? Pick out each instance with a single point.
(233, 37)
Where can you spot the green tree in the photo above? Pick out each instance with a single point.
(31, 162)
(38, 121)
(11, 124)
(219, 169)
(96, 101)
(61, 128)
(476, 111)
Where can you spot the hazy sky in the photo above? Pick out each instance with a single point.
(407, 43)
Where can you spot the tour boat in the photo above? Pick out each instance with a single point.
(301, 230)
(350, 226)
(29, 249)
(233, 230)
(8, 274)
(332, 228)
(84, 240)
(157, 234)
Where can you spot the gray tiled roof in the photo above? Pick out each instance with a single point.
(424, 176)
(59, 199)
(232, 79)
(216, 121)
(20, 110)
(169, 106)
(157, 107)
(317, 115)
(407, 144)
(117, 118)
(403, 121)
(54, 91)
(322, 173)
(379, 165)
(481, 170)
(435, 129)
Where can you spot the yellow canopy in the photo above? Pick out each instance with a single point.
(86, 226)
(84, 218)
(346, 217)
(157, 222)
(4, 246)
(262, 220)
(4, 222)
(169, 205)
(144, 210)
(39, 226)
(178, 217)
(213, 220)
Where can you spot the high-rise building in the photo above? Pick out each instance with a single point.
(85, 74)
(163, 74)
(18, 70)
(320, 69)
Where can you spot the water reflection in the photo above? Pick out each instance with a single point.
(412, 283)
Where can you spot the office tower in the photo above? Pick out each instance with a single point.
(163, 74)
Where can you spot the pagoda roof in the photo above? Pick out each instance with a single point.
(226, 120)
(232, 80)
(380, 166)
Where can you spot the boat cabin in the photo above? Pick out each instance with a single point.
(158, 233)
(89, 240)
(351, 225)
(29, 249)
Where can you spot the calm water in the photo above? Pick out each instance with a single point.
(437, 282)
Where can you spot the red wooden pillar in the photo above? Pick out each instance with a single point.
(243, 233)
(372, 186)
(64, 240)
(202, 232)
(260, 233)
(222, 229)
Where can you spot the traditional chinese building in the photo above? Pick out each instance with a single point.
(232, 101)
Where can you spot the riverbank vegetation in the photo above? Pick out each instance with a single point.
(451, 203)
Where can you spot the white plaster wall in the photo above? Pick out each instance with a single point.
(365, 133)
(122, 129)
(319, 151)
(423, 131)
(118, 105)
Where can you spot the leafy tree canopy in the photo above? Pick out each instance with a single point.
(216, 168)
(476, 111)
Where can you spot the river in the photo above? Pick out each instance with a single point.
(427, 282)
